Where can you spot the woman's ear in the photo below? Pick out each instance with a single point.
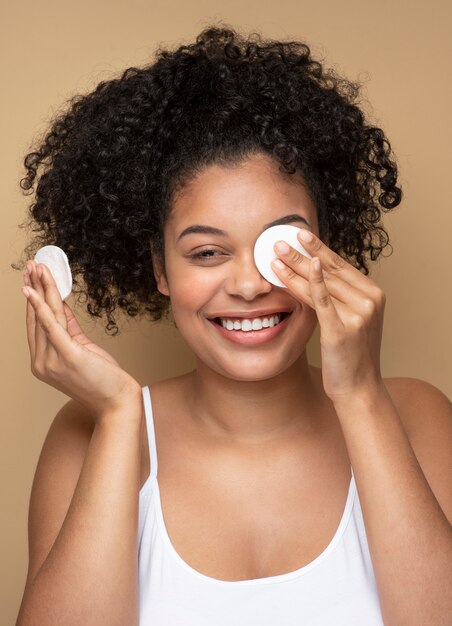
(159, 273)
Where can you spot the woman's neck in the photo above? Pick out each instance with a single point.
(291, 404)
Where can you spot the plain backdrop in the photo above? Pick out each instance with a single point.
(51, 50)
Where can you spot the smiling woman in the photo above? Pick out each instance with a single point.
(217, 210)
(281, 493)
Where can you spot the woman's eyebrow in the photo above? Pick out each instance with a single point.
(211, 230)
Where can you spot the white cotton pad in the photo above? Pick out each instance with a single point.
(264, 253)
(56, 260)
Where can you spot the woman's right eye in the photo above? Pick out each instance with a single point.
(201, 255)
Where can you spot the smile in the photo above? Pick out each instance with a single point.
(249, 324)
(251, 331)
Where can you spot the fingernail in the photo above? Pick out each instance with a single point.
(39, 270)
(26, 291)
(305, 235)
(282, 247)
(278, 264)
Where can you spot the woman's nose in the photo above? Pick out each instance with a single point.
(245, 280)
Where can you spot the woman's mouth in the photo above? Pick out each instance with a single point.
(252, 331)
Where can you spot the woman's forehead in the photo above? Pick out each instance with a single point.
(240, 195)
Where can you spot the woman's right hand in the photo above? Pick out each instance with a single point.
(64, 357)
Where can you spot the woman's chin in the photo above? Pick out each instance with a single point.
(252, 372)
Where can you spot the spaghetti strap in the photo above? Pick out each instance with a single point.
(150, 431)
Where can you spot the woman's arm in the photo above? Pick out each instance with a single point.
(410, 537)
(90, 576)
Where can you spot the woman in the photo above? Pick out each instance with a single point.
(255, 489)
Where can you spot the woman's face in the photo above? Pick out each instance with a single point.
(240, 201)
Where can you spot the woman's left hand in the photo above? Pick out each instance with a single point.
(349, 307)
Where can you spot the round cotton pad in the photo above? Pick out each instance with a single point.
(56, 260)
(264, 253)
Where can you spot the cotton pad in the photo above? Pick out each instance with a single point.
(56, 260)
(264, 253)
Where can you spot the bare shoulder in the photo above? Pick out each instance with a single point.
(72, 421)
(74, 410)
(421, 405)
(426, 414)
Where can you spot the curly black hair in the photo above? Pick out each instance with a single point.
(114, 159)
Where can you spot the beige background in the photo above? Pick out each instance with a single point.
(51, 50)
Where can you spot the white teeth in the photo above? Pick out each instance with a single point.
(255, 324)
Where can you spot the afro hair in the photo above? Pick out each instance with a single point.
(109, 165)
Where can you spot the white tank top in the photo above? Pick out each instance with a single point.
(337, 588)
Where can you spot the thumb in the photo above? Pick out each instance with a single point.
(73, 327)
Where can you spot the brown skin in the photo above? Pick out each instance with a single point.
(269, 384)
(290, 444)
(277, 503)
(266, 498)
(252, 453)
(256, 419)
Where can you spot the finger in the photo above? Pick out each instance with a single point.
(292, 257)
(342, 290)
(332, 262)
(297, 284)
(40, 336)
(73, 327)
(302, 289)
(30, 320)
(345, 282)
(35, 279)
(53, 331)
(52, 295)
(44, 349)
(329, 320)
(43, 273)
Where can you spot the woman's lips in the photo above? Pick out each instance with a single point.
(252, 337)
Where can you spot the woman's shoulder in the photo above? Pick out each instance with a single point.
(420, 404)
(426, 415)
(422, 407)
(76, 413)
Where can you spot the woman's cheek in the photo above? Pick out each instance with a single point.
(193, 288)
